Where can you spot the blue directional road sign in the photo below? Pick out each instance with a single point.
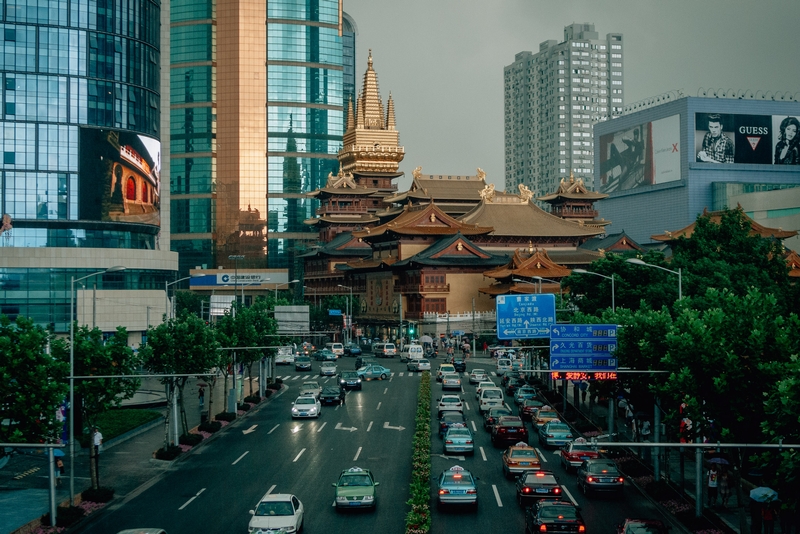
(583, 347)
(525, 316)
(334, 312)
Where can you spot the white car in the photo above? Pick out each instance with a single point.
(484, 384)
(477, 376)
(311, 387)
(306, 406)
(285, 356)
(450, 403)
(328, 369)
(419, 365)
(279, 512)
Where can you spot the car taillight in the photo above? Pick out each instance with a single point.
(443, 492)
(526, 490)
(469, 442)
(556, 490)
(543, 528)
(622, 480)
(590, 479)
(550, 436)
(581, 528)
(472, 491)
(450, 441)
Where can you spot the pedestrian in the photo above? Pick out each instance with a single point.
(485, 347)
(97, 440)
(201, 395)
(712, 485)
(768, 512)
(724, 486)
(629, 414)
(59, 471)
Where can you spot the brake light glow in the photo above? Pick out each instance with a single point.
(590, 479)
(540, 475)
(581, 528)
(450, 441)
(443, 491)
(622, 480)
(543, 528)
(526, 490)
(556, 490)
(472, 491)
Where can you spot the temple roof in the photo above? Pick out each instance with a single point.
(343, 244)
(442, 187)
(427, 220)
(572, 190)
(619, 241)
(507, 288)
(716, 217)
(793, 263)
(455, 250)
(527, 264)
(342, 183)
(357, 219)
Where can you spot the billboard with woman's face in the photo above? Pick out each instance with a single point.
(754, 139)
(119, 177)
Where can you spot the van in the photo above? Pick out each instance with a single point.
(503, 365)
(336, 348)
(490, 398)
(412, 352)
(384, 350)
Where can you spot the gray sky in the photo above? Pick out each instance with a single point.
(443, 60)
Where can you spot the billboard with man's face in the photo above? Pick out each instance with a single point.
(751, 139)
(647, 154)
(119, 177)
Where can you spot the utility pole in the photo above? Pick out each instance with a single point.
(400, 332)
(473, 326)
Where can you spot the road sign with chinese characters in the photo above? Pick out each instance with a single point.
(525, 316)
(583, 347)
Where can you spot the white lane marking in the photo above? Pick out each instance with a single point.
(240, 457)
(541, 455)
(565, 490)
(322, 426)
(497, 496)
(401, 374)
(391, 377)
(296, 377)
(272, 487)
(369, 427)
(483, 453)
(385, 390)
(474, 428)
(467, 405)
(299, 454)
(379, 406)
(357, 453)
(306, 377)
(273, 428)
(190, 500)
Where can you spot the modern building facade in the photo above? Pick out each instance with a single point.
(552, 100)
(83, 177)
(663, 166)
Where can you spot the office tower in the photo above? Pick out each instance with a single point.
(82, 182)
(552, 99)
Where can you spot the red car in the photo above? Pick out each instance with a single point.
(508, 431)
(528, 409)
(575, 452)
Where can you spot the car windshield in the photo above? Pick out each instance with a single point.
(558, 428)
(424, 362)
(523, 453)
(478, 372)
(540, 478)
(349, 374)
(451, 377)
(328, 364)
(582, 448)
(452, 418)
(301, 359)
(512, 423)
(558, 512)
(275, 508)
(459, 433)
(526, 391)
(547, 415)
(609, 469)
(355, 480)
(492, 394)
(499, 412)
(533, 402)
(457, 478)
(447, 369)
(330, 391)
(305, 400)
(311, 385)
(449, 400)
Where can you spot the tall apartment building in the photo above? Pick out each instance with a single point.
(552, 99)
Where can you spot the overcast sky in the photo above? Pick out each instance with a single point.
(443, 60)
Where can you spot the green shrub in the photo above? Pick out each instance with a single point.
(190, 439)
(98, 495)
(253, 399)
(225, 416)
(418, 519)
(66, 516)
(275, 385)
(172, 452)
(244, 407)
(118, 421)
(211, 427)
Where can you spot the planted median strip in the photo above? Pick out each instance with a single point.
(418, 519)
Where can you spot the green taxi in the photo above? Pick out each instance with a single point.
(355, 489)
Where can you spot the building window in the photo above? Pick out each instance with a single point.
(130, 192)
(9, 158)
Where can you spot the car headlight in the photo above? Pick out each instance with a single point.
(369, 498)
(341, 499)
(295, 410)
(287, 529)
(359, 380)
(312, 410)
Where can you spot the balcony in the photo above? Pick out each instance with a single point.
(347, 208)
(423, 288)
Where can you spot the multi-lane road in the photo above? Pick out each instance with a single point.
(213, 489)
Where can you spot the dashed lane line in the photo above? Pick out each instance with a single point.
(369, 427)
(299, 454)
(273, 428)
(322, 426)
(240, 457)
(190, 500)
(497, 496)
(358, 452)
(483, 453)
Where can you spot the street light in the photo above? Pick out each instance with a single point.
(115, 269)
(560, 289)
(349, 306)
(235, 258)
(584, 271)
(171, 313)
(284, 284)
(314, 289)
(637, 261)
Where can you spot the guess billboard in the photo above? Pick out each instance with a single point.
(747, 139)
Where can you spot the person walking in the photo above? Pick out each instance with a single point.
(712, 483)
(201, 395)
(97, 441)
(59, 471)
(768, 512)
(724, 486)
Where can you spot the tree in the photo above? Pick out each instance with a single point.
(190, 301)
(33, 383)
(113, 362)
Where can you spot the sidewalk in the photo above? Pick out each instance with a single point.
(125, 464)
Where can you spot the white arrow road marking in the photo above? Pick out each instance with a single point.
(190, 500)
(483, 453)
(357, 453)
(299, 454)
(340, 427)
(250, 430)
(273, 428)
(541, 455)
(240, 457)
(386, 425)
(497, 496)
(379, 406)
(565, 490)
(322, 426)
(369, 427)
(272, 487)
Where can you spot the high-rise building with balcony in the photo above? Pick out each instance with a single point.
(552, 99)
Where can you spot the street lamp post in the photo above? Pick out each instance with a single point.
(314, 289)
(560, 289)
(637, 261)
(280, 285)
(349, 311)
(583, 271)
(170, 313)
(235, 258)
(115, 269)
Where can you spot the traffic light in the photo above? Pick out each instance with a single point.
(410, 329)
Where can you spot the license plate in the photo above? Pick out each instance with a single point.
(303, 413)
(607, 480)
(512, 429)
(458, 492)
(584, 457)
(524, 463)
(542, 490)
(355, 503)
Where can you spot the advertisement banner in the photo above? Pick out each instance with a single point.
(119, 177)
(747, 139)
(646, 154)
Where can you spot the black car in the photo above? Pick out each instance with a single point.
(514, 384)
(349, 380)
(361, 361)
(352, 349)
(450, 418)
(332, 395)
(459, 363)
(535, 485)
(491, 415)
(554, 516)
(302, 363)
(600, 474)
(508, 376)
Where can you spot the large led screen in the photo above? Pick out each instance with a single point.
(646, 154)
(753, 139)
(119, 177)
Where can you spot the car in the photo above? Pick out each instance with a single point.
(502, 366)
(451, 381)
(537, 485)
(355, 489)
(325, 355)
(514, 384)
(444, 368)
(277, 512)
(545, 414)
(332, 395)
(600, 475)
(450, 403)
(507, 430)
(573, 454)
(477, 376)
(349, 380)
(528, 409)
(508, 376)
(419, 365)
(642, 526)
(302, 363)
(490, 416)
(306, 406)
(548, 515)
(306, 349)
(311, 387)
(335, 347)
(457, 486)
(483, 384)
(524, 393)
(459, 363)
(520, 458)
(285, 356)
(374, 371)
(328, 369)
(352, 349)
(490, 398)
(362, 360)
(449, 418)
(458, 438)
(554, 433)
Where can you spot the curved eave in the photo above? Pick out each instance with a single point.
(505, 289)
(573, 196)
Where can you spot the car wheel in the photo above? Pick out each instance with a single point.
(519, 499)
(585, 489)
(383, 376)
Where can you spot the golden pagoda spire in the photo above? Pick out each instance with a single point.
(371, 107)
(390, 121)
(351, 121)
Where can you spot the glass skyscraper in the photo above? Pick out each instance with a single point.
(81, 174)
